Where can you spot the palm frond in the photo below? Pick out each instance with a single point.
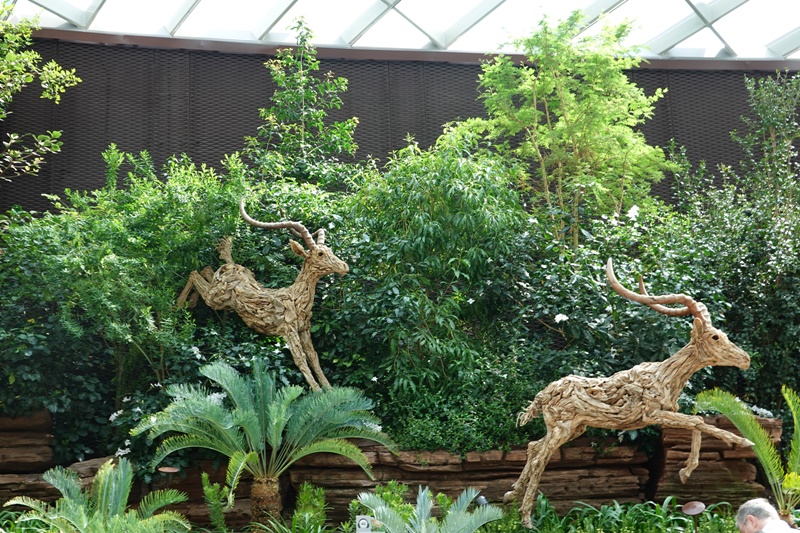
(66, 481)
(278, 414)
(745, 421)
(238, 463)
(112, 486)
(237, 387)
(422, 512)
(169, 521)
(157, 499)
(390, 518)
(793, 402)
(464, 499)
(172, 444)
(335, 446)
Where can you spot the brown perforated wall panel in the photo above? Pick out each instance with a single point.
(204, 103)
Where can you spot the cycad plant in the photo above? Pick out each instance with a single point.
(783, 477)
(103, 509)
(457, 519)
(262, 428)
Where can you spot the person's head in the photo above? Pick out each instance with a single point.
(753, 514)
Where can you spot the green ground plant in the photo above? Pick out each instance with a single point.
(103, 508)
(456, 515)
(262, 428)
(782, 475)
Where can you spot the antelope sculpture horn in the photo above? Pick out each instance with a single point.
(296, 228)
(659, 303)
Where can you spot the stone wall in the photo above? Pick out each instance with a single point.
(724, 473)
(582, 471)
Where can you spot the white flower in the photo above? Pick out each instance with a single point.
(633, 212)
(114, 415)
(196, 352)
(122, 451)
(560, 317)
(471, 301)
(375, 379)
(126, 399)
(216, 397)
(760, 411)
(331, 225)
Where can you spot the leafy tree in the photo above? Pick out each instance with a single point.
(741, 229)
(23, 153)
(456, 517)
(262, 428)
(569, 115)
(783, 477)
(427, 241)
(104, 508)
(295, 140)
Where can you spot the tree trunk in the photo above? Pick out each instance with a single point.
(265, 500)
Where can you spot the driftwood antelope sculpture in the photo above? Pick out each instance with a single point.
(285, 312)
(631, 399)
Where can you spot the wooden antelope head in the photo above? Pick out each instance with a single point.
(712, 347)
(319, 260)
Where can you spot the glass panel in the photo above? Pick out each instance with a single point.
(143, 17)
(326, 19)
(751, 27)
(702, 44)
(393, 31)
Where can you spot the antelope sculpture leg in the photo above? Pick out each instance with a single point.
(644, 395)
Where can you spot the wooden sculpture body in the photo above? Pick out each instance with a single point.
(631, 399)
(286, 311)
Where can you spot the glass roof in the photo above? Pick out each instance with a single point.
(668, 29)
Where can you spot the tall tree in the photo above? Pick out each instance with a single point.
(569, 113)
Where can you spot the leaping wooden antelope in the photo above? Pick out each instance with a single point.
(631, 399)
(285, 312)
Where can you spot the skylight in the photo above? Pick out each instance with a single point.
(689, 29)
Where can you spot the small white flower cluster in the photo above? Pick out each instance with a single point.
(560, 317)
(217, 397)
(123, 451)
(115, 415)
(760, 411)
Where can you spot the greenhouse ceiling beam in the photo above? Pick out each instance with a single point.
(273, 16)
(468, 21)
(364, 22)
(180, 17)
(704, 17)
(786, 44)
(80, 18)
(595, 9)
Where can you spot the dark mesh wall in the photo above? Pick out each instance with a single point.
(204, 103)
